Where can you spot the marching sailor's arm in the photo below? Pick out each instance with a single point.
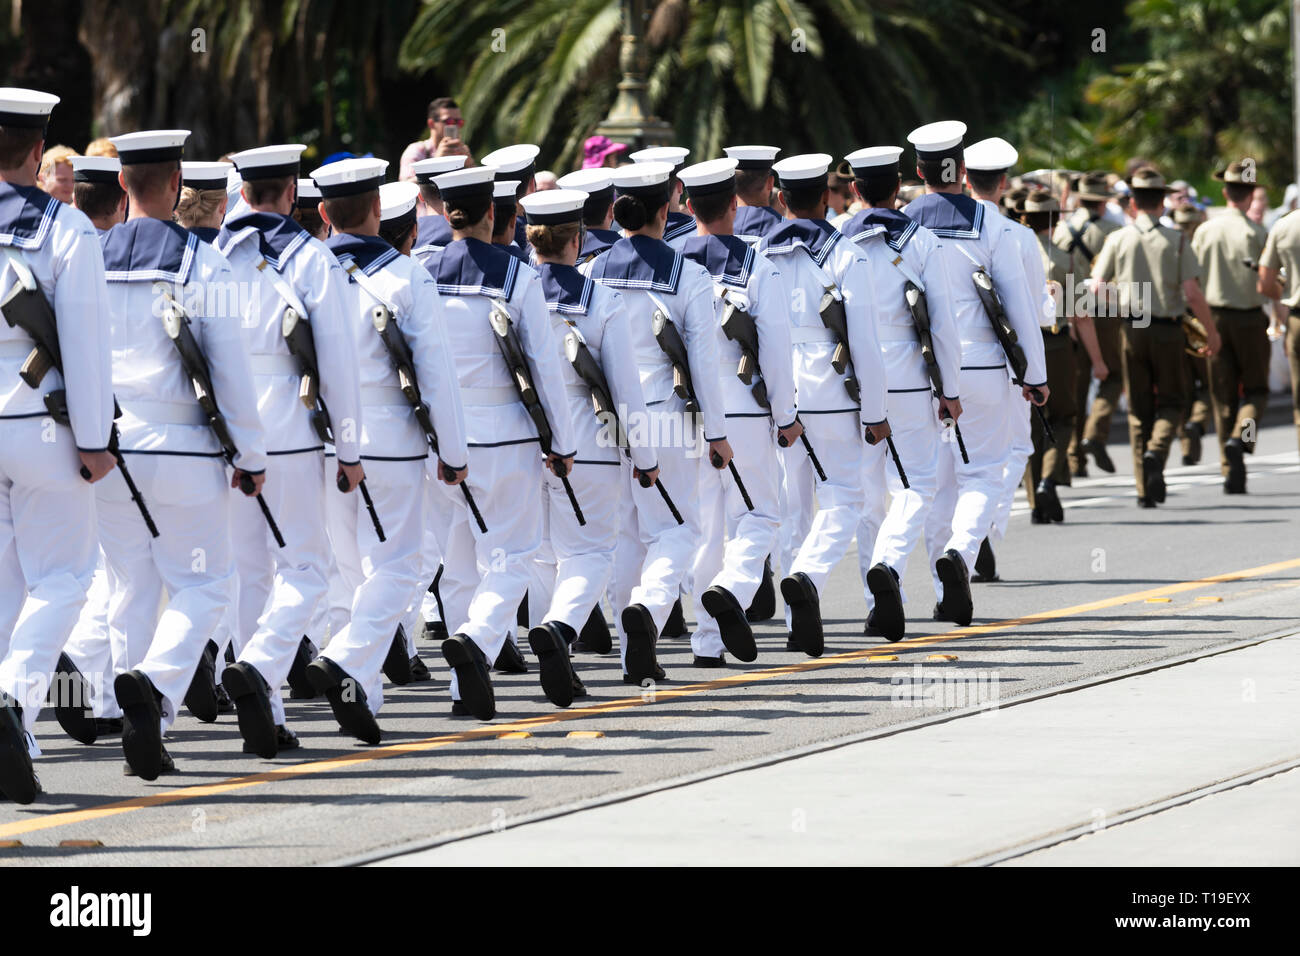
(1022, 298)
(81, 309)
(700, 336)
(618, 362)
(327, 301)
(434, 368)
(543, 353)
(944, 331)
(232, 377)
(864, 343)
(774, 346)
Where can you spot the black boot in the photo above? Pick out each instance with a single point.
(1153, 473)
(805, 613)
(639, 627)
(1097, 449)
(1048, 501)
(887, 615)
(1235, 483)
(956, 605)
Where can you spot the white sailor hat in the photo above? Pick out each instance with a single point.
(426, 169)
(397, 200)
(710, 176)
(503, 191)
(348, 177)
(938, 140)
(991, 155)
(513, 162)
(553, 207)
(648, 179)
(674, 156)
(25, 109)
(472, 183)
(874, 161)
(204, 175)
(95, 169)
(308, 194)
(269, 162)
(753, 157)
(150, 146)
(803, 171)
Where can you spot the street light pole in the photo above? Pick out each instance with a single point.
(630, 120)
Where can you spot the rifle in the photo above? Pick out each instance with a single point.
(399, 353)
(602, 402)
(176, 323)
(920, 311)
(997, 315)
(513, 353)
(670, 341)
(302, 346)
(739, 326)
(26, 308)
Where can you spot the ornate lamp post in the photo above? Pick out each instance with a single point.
(629, 120)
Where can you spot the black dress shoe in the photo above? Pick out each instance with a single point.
(658, 675)
(252, 699)
(1235, 482)
(956, 604)
(869, 628)
(346, 697)
(1079, 468)
(595, 637)
(299, 686)
(986, 564)
(887, 615)
(639, 628)
(1036, 516)
(521, 612)
(552, 650)
(435, 631)
(1145, 502)
(510, 660)
(939, 614)
(458, 709)
(165, 766)
(763, 607)
(1049, 502)
(1193, 431)
(805, 613)
(72, 702)
(397, 665)
(733, 623)
(714, 662)
(579, 689)
(419, 670)
(1153, 477)
(1097, 450)
(141, 722)
(108, 726)
(675, 626)
(224, 704)
(17, 777)
(472, 677)
(285, 739)
(201, 698)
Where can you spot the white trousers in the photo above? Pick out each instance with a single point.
(390, 570)
(840, 499)
(91, 649)
(255, 564)
(294, 492)
(1022, 446)
(47, 525)
(736, 541)
(888, 535)
(424, 607)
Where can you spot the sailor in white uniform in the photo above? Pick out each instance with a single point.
(753, 299)
(906, 262)
(573, 569)
(486, 572)
(168, 440)
(384, 284)
(755, 217)
(656, 551)
(680, 225)
(597, 213)
(973, 238)
(841, 412)
(518, 164)
(288, 269)
(47, 516)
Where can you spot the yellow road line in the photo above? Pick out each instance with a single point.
(493, 731)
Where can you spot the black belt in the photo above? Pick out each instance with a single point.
(1224, 308)
(1155, 319)
(1049, 334)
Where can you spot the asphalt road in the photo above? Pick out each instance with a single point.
(1111, 588)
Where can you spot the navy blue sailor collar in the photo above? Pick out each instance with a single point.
(598, 241)
(897, 227)
(149, 250)
(565, 288)
(370, 253)
(278, 237)
(817, 236)
(474, 267)
(756, 222)
(727, 259)
(26, 215)
(679, 224)
(948, 215)
(432, 230)
(640, 262)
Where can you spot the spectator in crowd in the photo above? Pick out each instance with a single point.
(1258, 205)
(545, 180)
(600, 151)
(55, 175)
(101, 147)
(446, 128)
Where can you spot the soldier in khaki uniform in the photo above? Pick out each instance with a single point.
(1196, 367)
(1229, 247)
(1282, 254)
(1047, 464)
(1082, 234)
(1147, 274)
